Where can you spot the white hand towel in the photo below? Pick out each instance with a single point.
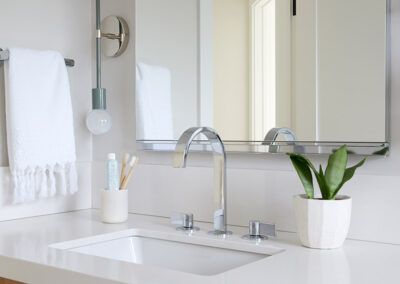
(40, 134)
(153, 103)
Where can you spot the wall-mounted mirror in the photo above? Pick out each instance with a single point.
(318, 67)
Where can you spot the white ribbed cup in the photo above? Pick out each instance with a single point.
(114, 206)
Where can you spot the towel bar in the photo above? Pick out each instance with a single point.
(4, 55)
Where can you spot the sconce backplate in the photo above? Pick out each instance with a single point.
(114, 36)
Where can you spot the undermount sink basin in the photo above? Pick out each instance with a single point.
(203, 256)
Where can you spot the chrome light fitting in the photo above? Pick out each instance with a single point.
(98, 121)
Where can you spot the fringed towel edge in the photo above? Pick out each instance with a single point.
(43, 182)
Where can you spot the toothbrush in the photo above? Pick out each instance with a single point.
(132, 164)
(124, 162)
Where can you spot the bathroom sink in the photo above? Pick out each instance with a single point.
(197, 255)
(173, 255)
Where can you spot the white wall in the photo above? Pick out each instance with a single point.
(168, 36)
(66, 26)
(261, 187)
(118, 77)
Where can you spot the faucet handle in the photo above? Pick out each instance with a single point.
(260, 231)
(185, 220)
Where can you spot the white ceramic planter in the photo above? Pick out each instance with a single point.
(322, 224)
(114, 206)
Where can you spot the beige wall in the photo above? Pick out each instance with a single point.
(340, 70)
(231, 68)
(304, 105)
(351, 70)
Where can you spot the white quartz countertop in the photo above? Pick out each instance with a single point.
(25, 256)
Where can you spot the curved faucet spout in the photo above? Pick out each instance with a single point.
(186, 139)
(180, 157)
(272, 135)
(290, 136)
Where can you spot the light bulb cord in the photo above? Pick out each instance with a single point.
(98, 45)
(98, 93)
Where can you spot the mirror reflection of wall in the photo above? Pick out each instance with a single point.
(246, 66)
(167, 38)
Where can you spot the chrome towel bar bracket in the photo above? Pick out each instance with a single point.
(5, 55)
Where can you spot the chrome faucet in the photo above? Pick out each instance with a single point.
(290, 137)
(272, 135)
(180, 156)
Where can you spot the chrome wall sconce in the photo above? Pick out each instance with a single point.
(114, 32)
(114, 36)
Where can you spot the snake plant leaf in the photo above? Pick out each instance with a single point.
(320, 179)
(305, 160)
(348, 174)
(382, 152)
(322, 184)
(348, 151)
(304, 172)
(335, 170)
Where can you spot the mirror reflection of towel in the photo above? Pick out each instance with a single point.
(153, 103)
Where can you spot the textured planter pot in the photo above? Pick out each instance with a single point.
(322, 224)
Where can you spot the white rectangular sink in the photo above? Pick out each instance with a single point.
(190, 254)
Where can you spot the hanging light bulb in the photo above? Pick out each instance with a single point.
(98, 121)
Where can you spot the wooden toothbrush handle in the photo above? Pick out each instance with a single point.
(122, 175)
(127, 178)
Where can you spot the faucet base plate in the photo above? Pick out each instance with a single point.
(222, 234)
(257, 238)
(190, 230)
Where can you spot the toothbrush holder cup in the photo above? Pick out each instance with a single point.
(114, 206)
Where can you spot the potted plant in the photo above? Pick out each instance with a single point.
(323, 222)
